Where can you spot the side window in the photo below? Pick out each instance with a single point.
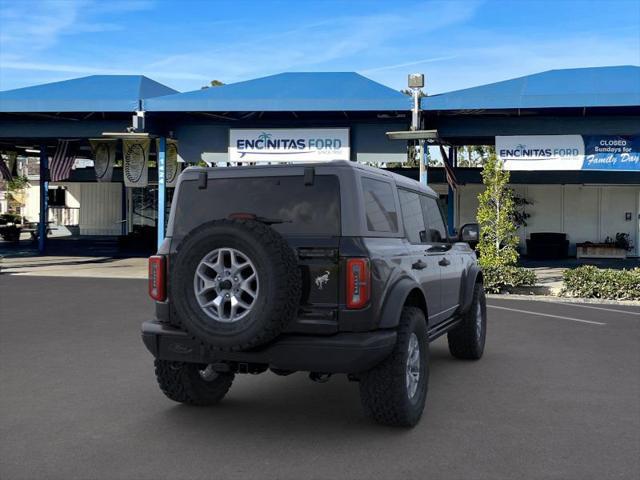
(380, 206)
(436, 231)
(412, 216)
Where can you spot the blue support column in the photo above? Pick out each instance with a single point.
(162, 187)
(453, 158)
(44, 199)
(424, 163)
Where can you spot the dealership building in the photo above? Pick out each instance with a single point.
(571, 139)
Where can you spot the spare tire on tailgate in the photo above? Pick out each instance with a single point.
(235, 284)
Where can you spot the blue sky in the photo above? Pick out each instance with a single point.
(184, 44)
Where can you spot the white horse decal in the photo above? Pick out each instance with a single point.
(322, 280)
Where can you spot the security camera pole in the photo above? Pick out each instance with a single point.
(416, 83)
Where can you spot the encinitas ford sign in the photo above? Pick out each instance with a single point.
(541, 152)
(289, 145)
(569, 152)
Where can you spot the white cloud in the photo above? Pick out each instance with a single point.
(314, 46)
(499, 58)
(350, 42)
(436, 37)
(31, 27)
(408, 64)
(88, 70)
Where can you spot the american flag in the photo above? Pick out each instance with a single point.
(62, 161)
(4, 170)
(448, 170)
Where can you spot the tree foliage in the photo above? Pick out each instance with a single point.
(474, 155)
(213, 83)
(18, 183)
(15, 194)
(496, 211)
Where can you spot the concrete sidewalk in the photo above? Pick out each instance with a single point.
(66, 266)
(549, 279)
(549, 274)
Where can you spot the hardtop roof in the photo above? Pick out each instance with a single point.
(298, 169)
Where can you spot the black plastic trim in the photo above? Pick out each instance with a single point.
(340, 353)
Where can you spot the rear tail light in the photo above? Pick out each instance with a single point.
(358, 282)
(157, 278)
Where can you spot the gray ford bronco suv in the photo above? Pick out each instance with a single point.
(326, 268)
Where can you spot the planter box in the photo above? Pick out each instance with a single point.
(599, 251)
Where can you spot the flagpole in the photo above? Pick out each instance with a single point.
(453, 157)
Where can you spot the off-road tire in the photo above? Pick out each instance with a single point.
(280, 284)
(383, 389)
(182, 383)
(466, 341)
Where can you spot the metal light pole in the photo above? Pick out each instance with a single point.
(416, 83)
(162, 188)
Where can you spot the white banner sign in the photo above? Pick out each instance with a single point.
(541, 152)
(289, 145)
(104, 157)
(136, 162)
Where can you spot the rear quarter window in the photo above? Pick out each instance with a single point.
(297, 208)
(380, 206)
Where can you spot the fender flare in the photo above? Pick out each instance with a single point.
(473, 275)
(396, 299)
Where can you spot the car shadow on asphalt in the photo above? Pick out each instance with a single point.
(296, 406)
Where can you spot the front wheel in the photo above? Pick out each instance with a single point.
(466, 341)
(394, 392)
(192, 383)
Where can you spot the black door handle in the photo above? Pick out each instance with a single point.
(444, 262)
(419, 265)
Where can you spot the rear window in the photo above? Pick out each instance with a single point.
(297, 208)
(380, 206)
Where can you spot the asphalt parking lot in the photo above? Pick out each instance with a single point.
(557, 395)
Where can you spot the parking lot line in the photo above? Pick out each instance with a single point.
(546, 315)
(628, 312)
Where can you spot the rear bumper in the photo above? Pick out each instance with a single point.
(340, 353)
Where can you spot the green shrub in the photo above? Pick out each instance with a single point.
(501, 277)
(592, 282)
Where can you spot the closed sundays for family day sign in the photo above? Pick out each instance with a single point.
(569, 152)
(289, 145)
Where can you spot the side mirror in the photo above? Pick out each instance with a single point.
(469, 233)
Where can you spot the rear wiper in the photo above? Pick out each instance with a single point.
(251, 216)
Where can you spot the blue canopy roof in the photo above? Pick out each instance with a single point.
(576, 87)
(299, 92)
(96, 93)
